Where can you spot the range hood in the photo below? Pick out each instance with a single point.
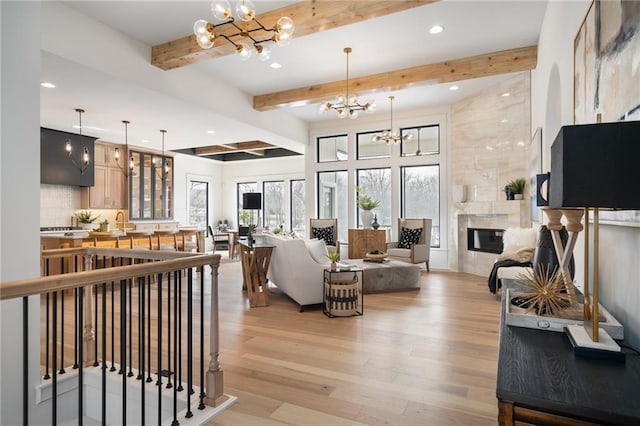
(55, 165)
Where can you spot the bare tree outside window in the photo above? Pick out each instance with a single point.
(245, 215)
(421, 196)
(297, 207)
(332, 199)
(199, 204)
(377, 183)
(273, 204)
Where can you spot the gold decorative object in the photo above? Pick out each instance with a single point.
(544, 292)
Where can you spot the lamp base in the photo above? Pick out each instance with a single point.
(583, 346)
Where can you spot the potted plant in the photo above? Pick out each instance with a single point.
(516, 187)
(244, 217)
(104, 226)
(86, 219)
(366, 204)
(333, 256)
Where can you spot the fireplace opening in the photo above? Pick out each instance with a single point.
(486, 240)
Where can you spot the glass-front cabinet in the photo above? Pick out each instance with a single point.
(151, 186)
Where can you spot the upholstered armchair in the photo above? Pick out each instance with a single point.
(414, 241)
(326, 229)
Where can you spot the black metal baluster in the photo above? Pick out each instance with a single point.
(140, 375)
(143, 404)
(189, 341)
(149, 379)
(175, 421)
(201, 406)
(62, 331)
(179, 371)
(95, 327)
(123, 346)
(54, 362)
(159, 382)
(130, 373)
(25, 360)
(75, 329)
(113, 323)
(169, 384)
(46, 339)
(104, 353)
(79, 300)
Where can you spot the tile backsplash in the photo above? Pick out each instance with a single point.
(58, 203)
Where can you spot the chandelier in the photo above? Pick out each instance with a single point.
(84, 156)
(389, 136)
(346, 105)
(257, 34)
(116, 155)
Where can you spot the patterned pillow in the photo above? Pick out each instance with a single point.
(325, 234)
(408, 237)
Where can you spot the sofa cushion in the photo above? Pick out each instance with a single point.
(408, 237)
(325, 234)
(317, 249)
(399, 252)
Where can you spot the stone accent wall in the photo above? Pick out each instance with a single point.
(490, 140)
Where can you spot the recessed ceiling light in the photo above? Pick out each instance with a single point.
(100, 129)
(47, 84)
(520, 143)
(504, 120)
(211, 132)
(275, 65)
(453, 88)
(145, 140)
(505, 94)
(489, 148)
(436, 29)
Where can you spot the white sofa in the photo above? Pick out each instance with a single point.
(294, 271)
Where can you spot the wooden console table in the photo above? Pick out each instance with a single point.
(255, 264)
(541, 381)
(362, 241)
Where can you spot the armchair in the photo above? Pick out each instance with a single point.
(417, 252)
(326, 229)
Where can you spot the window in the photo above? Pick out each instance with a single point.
(297, 207)
(332, 148)
(273, 204)
(421, 196)
(151, 186)
(332, 199)
(368, 149)
(425, 140)
(377, 183)
(246, 217)
(198, 204)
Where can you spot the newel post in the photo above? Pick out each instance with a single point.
(214, 380)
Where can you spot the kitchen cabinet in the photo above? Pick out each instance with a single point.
(110, 188)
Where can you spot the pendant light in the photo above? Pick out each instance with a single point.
(84, 156)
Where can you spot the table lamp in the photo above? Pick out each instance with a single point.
(251, 201)
(595, 166)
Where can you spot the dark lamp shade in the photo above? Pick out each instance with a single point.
(596, 165)
(251, 201)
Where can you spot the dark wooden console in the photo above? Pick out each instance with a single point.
(541, 382)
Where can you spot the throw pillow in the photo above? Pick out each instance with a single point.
(317, 250)
(325, 234)
(514, 239)
(408, 237)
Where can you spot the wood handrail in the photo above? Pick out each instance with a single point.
(168, 261)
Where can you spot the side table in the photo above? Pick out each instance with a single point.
(255, 264)
(342, 295)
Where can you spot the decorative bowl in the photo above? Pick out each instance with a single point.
(371, 255)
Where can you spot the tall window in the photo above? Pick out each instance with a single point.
(421, 196)
(368, 149)
(332, 148)
(199, 204)
(377, 183)
(425, 140)
(273, 204)
(151, 186)
(297, 207)
(246, 217)
(332, 199)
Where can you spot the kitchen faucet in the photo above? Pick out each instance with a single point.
(120, 214)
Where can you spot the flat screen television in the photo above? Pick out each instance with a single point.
(55, 165)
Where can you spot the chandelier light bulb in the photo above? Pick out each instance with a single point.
(286, 26)
(67, 147)
(264, 53)
(282, 39)
(353, 114)
(221, 9)
(245, 10)
(131, 163)
(342, 113)
(85, 156)
(243, 50)
(205, 41)
(200, 27)
(116, 154)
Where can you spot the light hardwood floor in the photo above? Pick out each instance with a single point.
(424, 357)
(421, 357)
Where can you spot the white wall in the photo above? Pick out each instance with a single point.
(19, 200)
(552, 107)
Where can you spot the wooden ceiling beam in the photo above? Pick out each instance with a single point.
(309, 17)
(489, 64)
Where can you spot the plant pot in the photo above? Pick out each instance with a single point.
(366, 217)
(518, 197)
(104, 228)
(333, 266)
(87, 226)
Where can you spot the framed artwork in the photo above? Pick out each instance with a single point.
(535, 168)
(606, 73)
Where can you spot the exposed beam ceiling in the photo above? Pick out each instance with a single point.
(309, 16)
(507, 61)
(251, 147)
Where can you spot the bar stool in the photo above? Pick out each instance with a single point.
(136, 235)
(159, 233)
(185, 241)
